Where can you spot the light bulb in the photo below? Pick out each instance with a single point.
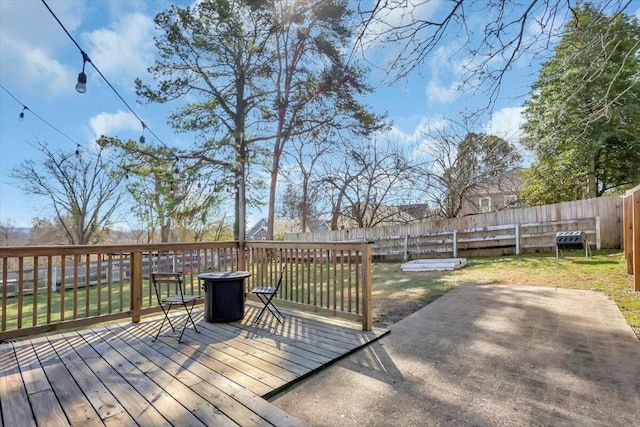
(81, 86)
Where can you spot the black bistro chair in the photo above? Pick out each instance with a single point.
(169, 292)
(266, 294)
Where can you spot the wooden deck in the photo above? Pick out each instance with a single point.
(116, 375)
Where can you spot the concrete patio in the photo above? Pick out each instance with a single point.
(486, 355)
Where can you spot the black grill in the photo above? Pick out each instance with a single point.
(570, 240)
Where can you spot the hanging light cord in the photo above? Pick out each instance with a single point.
(84, 55)
(78, 145)
(25, 108)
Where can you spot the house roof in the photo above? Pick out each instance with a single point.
(279, 226)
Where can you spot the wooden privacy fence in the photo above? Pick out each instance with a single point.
(509, 238)
(566, 216)
(57, 287)
(631, 233)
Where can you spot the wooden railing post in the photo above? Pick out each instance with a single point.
(242, 261)
(635, 197)
(366, 286)
(627, 231)
(136, 286)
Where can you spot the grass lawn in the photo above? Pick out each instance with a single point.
(397, 294)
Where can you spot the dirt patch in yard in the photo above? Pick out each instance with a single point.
(387, 311)
(397, 294)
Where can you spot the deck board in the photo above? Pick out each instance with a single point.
(45, 406)
(105, 404)
(14, 402)
(117, 375)
(74, 403)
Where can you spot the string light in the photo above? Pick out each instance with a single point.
(81, 86)
(79, 148)
(86, 59)
(142, 140)
(25, 108)
(176, 170)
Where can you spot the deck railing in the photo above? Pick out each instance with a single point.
(330, 278)
(56, 287)
(631, 234)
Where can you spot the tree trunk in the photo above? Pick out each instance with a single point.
(275, 166)
(165, 230)
(592, 182)
(304, 220)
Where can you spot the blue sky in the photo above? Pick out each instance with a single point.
(39, 65)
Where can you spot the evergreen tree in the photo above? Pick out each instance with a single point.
(581, 120)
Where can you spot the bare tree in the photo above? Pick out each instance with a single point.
(510, 29)
(301, 198)
(458, 161)
(6, 231)
(83, 196)
(370, 185)
(314, 89)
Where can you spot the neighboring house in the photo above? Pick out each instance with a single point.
(413, 213)
(502, 192)
(319, 226)
(281, 227)
(392, 215)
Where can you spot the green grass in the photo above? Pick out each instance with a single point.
(41, 313)
(397, 294)
(106, 296)
(605, 272)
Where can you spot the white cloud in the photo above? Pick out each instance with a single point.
(28, 57)
(111, 123)
(396, 14)
(418, 140)
(437, 92)
(506, 123)
(124, 51)
(446, 74)
(32, 24)
(33, 68)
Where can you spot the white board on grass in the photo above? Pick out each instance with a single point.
(440, 264)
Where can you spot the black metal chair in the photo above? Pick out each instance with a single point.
(266, 294)
(169, 292)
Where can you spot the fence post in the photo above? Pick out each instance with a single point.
(598, 241)
(627, 231)
(136, 286)
(517, 226)
(406, 248)
(455, 243)
(366, 286)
